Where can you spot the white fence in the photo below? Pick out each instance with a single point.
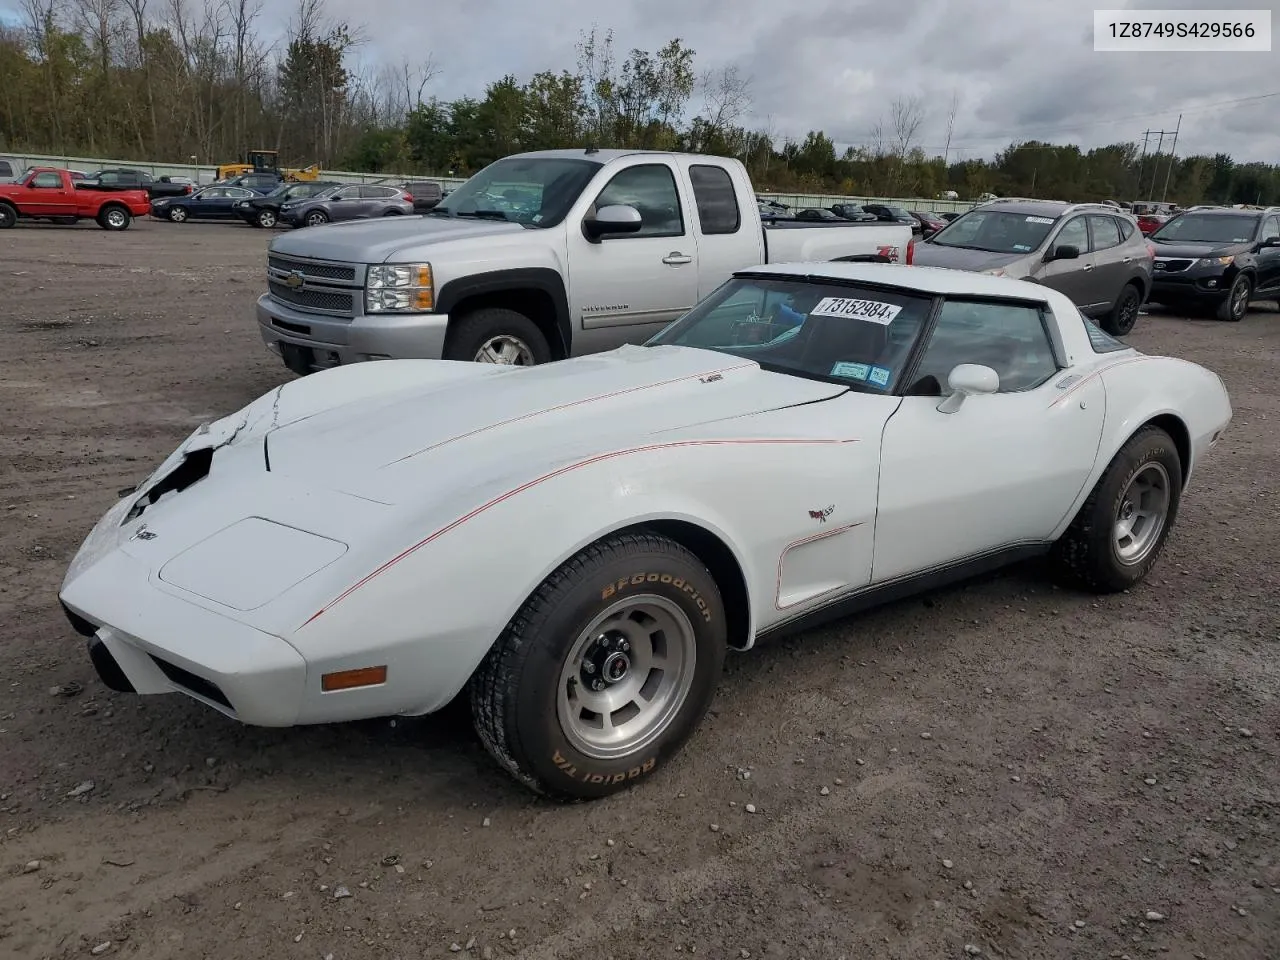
(205, 173)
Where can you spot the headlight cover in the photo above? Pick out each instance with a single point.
(399, 288)
(1215, 261)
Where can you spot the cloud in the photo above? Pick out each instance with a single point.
(1019, 69)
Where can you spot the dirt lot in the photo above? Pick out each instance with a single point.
(1087, 760)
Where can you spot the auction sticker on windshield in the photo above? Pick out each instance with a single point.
(1039, 220)
(854, 371)
(873, 311)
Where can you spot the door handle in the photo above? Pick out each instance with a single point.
(675, 257)
(1127, 260)
(1087, 267)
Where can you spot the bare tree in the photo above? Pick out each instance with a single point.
(726, 95)
(906, 114)
(951, 122)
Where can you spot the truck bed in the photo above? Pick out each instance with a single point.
(799, 240)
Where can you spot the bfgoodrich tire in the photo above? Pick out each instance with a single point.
(1122, 528)
(605, 671)
(497, 335)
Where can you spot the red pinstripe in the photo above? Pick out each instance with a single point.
(550, 476)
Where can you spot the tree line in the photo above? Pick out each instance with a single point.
(169, 80)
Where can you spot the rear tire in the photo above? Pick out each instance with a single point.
(8, 216)
(497, 335)
(114, 217)
(1124, 314)
(649, 599)
(1237, 303)
(1122, 528)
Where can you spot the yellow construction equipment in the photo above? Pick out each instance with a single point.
(266, 161)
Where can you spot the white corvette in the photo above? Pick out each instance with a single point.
(576, 545)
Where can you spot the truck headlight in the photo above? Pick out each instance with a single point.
(399, 288)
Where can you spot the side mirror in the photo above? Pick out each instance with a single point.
(968, 380)
(1271, 242)
(615, 218)
(1063, 251)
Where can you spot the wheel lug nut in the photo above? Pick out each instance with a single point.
(597, 685)
(589, 667)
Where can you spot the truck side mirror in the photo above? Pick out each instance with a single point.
(615, 218)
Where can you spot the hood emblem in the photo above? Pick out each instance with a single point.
(142, 533)
(294, 279)
(821, 515)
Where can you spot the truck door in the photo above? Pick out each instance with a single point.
(727, 239)
(627, 287)
(48, 197)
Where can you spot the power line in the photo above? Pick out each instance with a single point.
(1005, 138)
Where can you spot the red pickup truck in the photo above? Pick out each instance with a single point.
(47, 193)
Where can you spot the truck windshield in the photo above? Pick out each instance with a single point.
(851, 334)
(535, 191)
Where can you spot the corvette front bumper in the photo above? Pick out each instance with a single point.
(148, 641)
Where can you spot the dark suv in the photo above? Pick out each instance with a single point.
(1219, 258)
(1093, 253)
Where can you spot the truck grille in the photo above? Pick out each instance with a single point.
(327, 288)
(311, 298)
(312, 270)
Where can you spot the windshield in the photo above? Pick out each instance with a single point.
(536, 191)
(1208, 228)
(995, 231)
(851, 334)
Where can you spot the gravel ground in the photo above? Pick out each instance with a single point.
(1003, 767)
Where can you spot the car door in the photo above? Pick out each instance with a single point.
(205, 206)
(1111, 261)
(1004, 468)
(1071, 277)
(234, 196)
(1269, 256)
(346, 204)
(626, 287)
(46, 197)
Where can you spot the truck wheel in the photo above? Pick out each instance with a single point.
(8, 216)
(114, 217)
(1237, 303)
(178, 214)
(497, 335)
(605, 671)
(1115, 539)
(1125, 313)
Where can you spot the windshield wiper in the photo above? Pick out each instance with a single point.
(484, 214)
(440, 212)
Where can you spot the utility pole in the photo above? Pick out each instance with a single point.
(1172, 150)
(1142, 161)
(1155, 167)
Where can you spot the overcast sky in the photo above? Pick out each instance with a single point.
(1021, 68)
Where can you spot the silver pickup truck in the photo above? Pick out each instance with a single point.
(538, 257)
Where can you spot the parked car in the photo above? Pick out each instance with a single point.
(949, 215)
(816, 213)
(211, 203)
(129, 179)
(573, 550)
(852, 211)
(1150, 222)
(265, 211)
(352, 201)
(886, 213)
(49, 193)
(1222, 259)
(260, 182)
(930, 223)
(619, 244)
(1089, 251)
(426, 194)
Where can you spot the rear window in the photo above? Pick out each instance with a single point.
(715, 198)
(6, 168)
(1101, 341)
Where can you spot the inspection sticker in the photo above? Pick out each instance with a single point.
(1039, 220)
(880, 376)
(854, 371)
(872, 311)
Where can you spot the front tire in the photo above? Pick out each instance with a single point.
(497, 335)
(178, 214)
(1237, 303)
(1125, 312)
(605, 671)
(266, 219)
(1120, 531)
